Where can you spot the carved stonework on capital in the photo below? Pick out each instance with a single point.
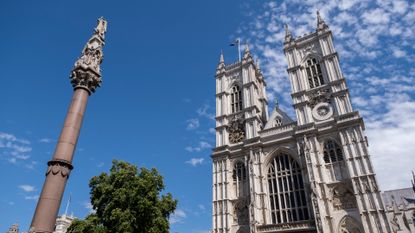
(87, 72)
(85, 79)
(59, 167)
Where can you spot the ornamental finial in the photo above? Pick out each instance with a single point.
(87, 71)
(320, 22)
(288, 36)
(101, 27)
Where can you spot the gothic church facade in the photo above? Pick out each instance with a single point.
(274, 174)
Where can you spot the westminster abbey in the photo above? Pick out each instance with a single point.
(275, 174)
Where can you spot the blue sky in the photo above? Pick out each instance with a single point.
(156, 104)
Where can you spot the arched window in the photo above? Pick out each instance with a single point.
(286, 191)
(334, 160)
(236, 99)
(278, 121)
(314, 74)
(239, 178)
(332, 152)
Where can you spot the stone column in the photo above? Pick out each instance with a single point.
(85, 78)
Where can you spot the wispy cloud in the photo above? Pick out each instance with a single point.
(192, 124)
(201, 146)
(32, 198)
(204, 111)
(14, 149)
(27, 188)
(178, 216)
(87, 205)
(195, 161)
(45, 140)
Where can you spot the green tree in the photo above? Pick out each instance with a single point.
(127, 200)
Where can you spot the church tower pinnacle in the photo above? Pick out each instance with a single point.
(85, 78)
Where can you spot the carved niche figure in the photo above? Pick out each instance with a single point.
(236, 130)
(349, 225)
(343, 198)
(241, 211)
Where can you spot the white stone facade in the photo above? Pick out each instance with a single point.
(273, 174)
(62, 223)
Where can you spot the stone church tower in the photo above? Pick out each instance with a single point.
(274, 174)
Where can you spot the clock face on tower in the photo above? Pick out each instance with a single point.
(236, 131)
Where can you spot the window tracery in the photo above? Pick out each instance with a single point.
(236, 99)
(286, 191)
(278, 121)
(314, 74)
(239, 178)
(334, 160)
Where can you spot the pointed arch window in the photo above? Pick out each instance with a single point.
(239, 178)
(332, 152)
(286, 191)
(236, 99)
(278, 121)
(314, 74)
(334, 160)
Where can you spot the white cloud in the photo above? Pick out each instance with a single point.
(178, 216)
(398, 52)
(195, 161)
(201, 207)
(45, 140)
(87, 205)
(392, 136)
(14, 149)
(27, 188)
(201, 146)
(33, 198)
(212, 130)
(204, 112)
(192, 124)
(376, 16)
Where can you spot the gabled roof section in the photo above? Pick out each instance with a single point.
(278, 113)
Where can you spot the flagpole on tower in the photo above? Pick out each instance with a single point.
(237, 42)
(239, 49)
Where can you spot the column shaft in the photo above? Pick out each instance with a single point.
(60, 166)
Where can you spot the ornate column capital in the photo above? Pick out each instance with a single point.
(86, 73)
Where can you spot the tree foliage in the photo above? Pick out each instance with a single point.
(127, 200)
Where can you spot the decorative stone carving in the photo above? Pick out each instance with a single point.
(343, 199)
(322, 111)
(320, 96)
(61, 167)
(236, 129)
(87, 73)
(308, 49)
(241, 211)
(349, 225)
